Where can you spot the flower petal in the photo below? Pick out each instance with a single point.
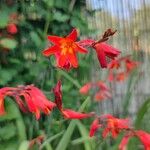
(58, 95)
(86, 42)
(62, 60)
(101, 57)
(124, 141)
(81, 49)
(54, 39)
(50, 51)
(73, 60)
(2, 108)
(94, 127)
(73, 35)
(70, 114)
(85, 89)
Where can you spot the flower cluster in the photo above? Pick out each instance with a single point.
(114, 126)
(123, 67)
(65, 49)
(29, 98)
(102, 93)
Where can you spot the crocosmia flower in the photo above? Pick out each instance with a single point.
(143, 136)
(114, 125)
(102, 90)
(29, 98)
(65, 50)
(94, 127)
(103, 51)
(67, 113)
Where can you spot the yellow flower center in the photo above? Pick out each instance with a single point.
(67, 46)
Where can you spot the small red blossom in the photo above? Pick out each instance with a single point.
(3, 92)
(123, 67)
(29, 98)
(121, 76)
(67, 113)
(124, 141)
(85, 89)
(130, 65)
(144, 138)
(114, 125)
(102, 93)
(70, 114)
(104, 50)
(94, 127)
(12, 28)
(65, 50)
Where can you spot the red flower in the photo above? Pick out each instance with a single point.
(142, 135)
(28, 98)
(104, 50)
(94, 127)
(124, 141)
(130, 65)
(12, 29)
(65, 49)
(114, 125)
(114, 64)
(85, 89)
(67, 113)
(144, 138)
(120, 63)
(3, 92)
(102, 93)
(121, 76)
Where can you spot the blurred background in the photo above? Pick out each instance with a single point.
(24, 26)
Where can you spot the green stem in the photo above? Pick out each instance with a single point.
(67, 76)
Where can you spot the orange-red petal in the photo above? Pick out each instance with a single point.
(50, 51)
(81, 49)
(70, 114)
(62, 60)
(73, 60)
(73, 35)
(54, 39)
(94, 127)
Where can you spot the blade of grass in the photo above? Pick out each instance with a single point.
(142, 111)
(72, 80)
(84, 133)
(49, 140)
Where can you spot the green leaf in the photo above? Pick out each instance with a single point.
(8, 131)
(60, 17)
(62, 145)
(3, 19)
(35, 38)
(49, 140)
(7, 75)
(85, 134)
(142, 111)
(24, 145)
(8, 43)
